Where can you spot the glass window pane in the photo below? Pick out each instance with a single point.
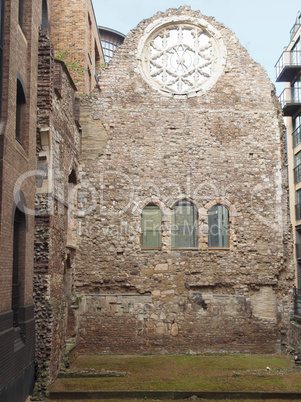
(298, 197)
(218, 219)
(184, 225)
(151, 227)
(298, 158)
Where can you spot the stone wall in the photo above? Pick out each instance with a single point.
(196, 322)
(225, 145)
(58, 140)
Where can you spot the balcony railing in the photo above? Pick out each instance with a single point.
(295, 29)
(288, 66)
(290, 100)
(297, 136)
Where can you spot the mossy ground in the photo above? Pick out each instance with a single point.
(234, 372)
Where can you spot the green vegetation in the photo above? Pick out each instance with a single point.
(73, 65)
(198, 372)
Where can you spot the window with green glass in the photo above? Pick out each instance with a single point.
(218, 226)
(297, 158)
(298, 205)
(151, 227)
(184, 227)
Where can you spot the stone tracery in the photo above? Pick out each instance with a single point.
(179, 58)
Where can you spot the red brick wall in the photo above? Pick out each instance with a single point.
(75, 39)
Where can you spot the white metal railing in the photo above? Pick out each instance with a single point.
(289, 58)
(290, 96)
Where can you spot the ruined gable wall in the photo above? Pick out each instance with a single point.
(225, 146)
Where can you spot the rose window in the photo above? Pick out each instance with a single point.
(181, 58)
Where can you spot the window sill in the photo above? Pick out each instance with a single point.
(151, 249)
(185, 248)
(219, 248)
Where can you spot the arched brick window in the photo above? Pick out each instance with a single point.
(151, 227)
(184, 229)
(218, 226)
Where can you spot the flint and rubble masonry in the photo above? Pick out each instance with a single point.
(226, 146)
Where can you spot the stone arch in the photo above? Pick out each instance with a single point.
(150, 200)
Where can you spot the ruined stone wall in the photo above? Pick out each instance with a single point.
(224, 146)
(58, 141)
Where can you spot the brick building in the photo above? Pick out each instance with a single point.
(20, 23)
(184, 231)
(76, 41)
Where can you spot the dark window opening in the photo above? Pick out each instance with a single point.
(21, 13)
(72, 177)
(18, 264)
(45, 19)
(97, 62)
(20, 106)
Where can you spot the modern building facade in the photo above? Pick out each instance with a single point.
(110, 40)
(288, 71)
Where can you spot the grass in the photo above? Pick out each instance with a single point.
(187, 373)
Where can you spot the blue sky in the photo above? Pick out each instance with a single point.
(262, 26)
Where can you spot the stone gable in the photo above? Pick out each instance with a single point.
(219, 145)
